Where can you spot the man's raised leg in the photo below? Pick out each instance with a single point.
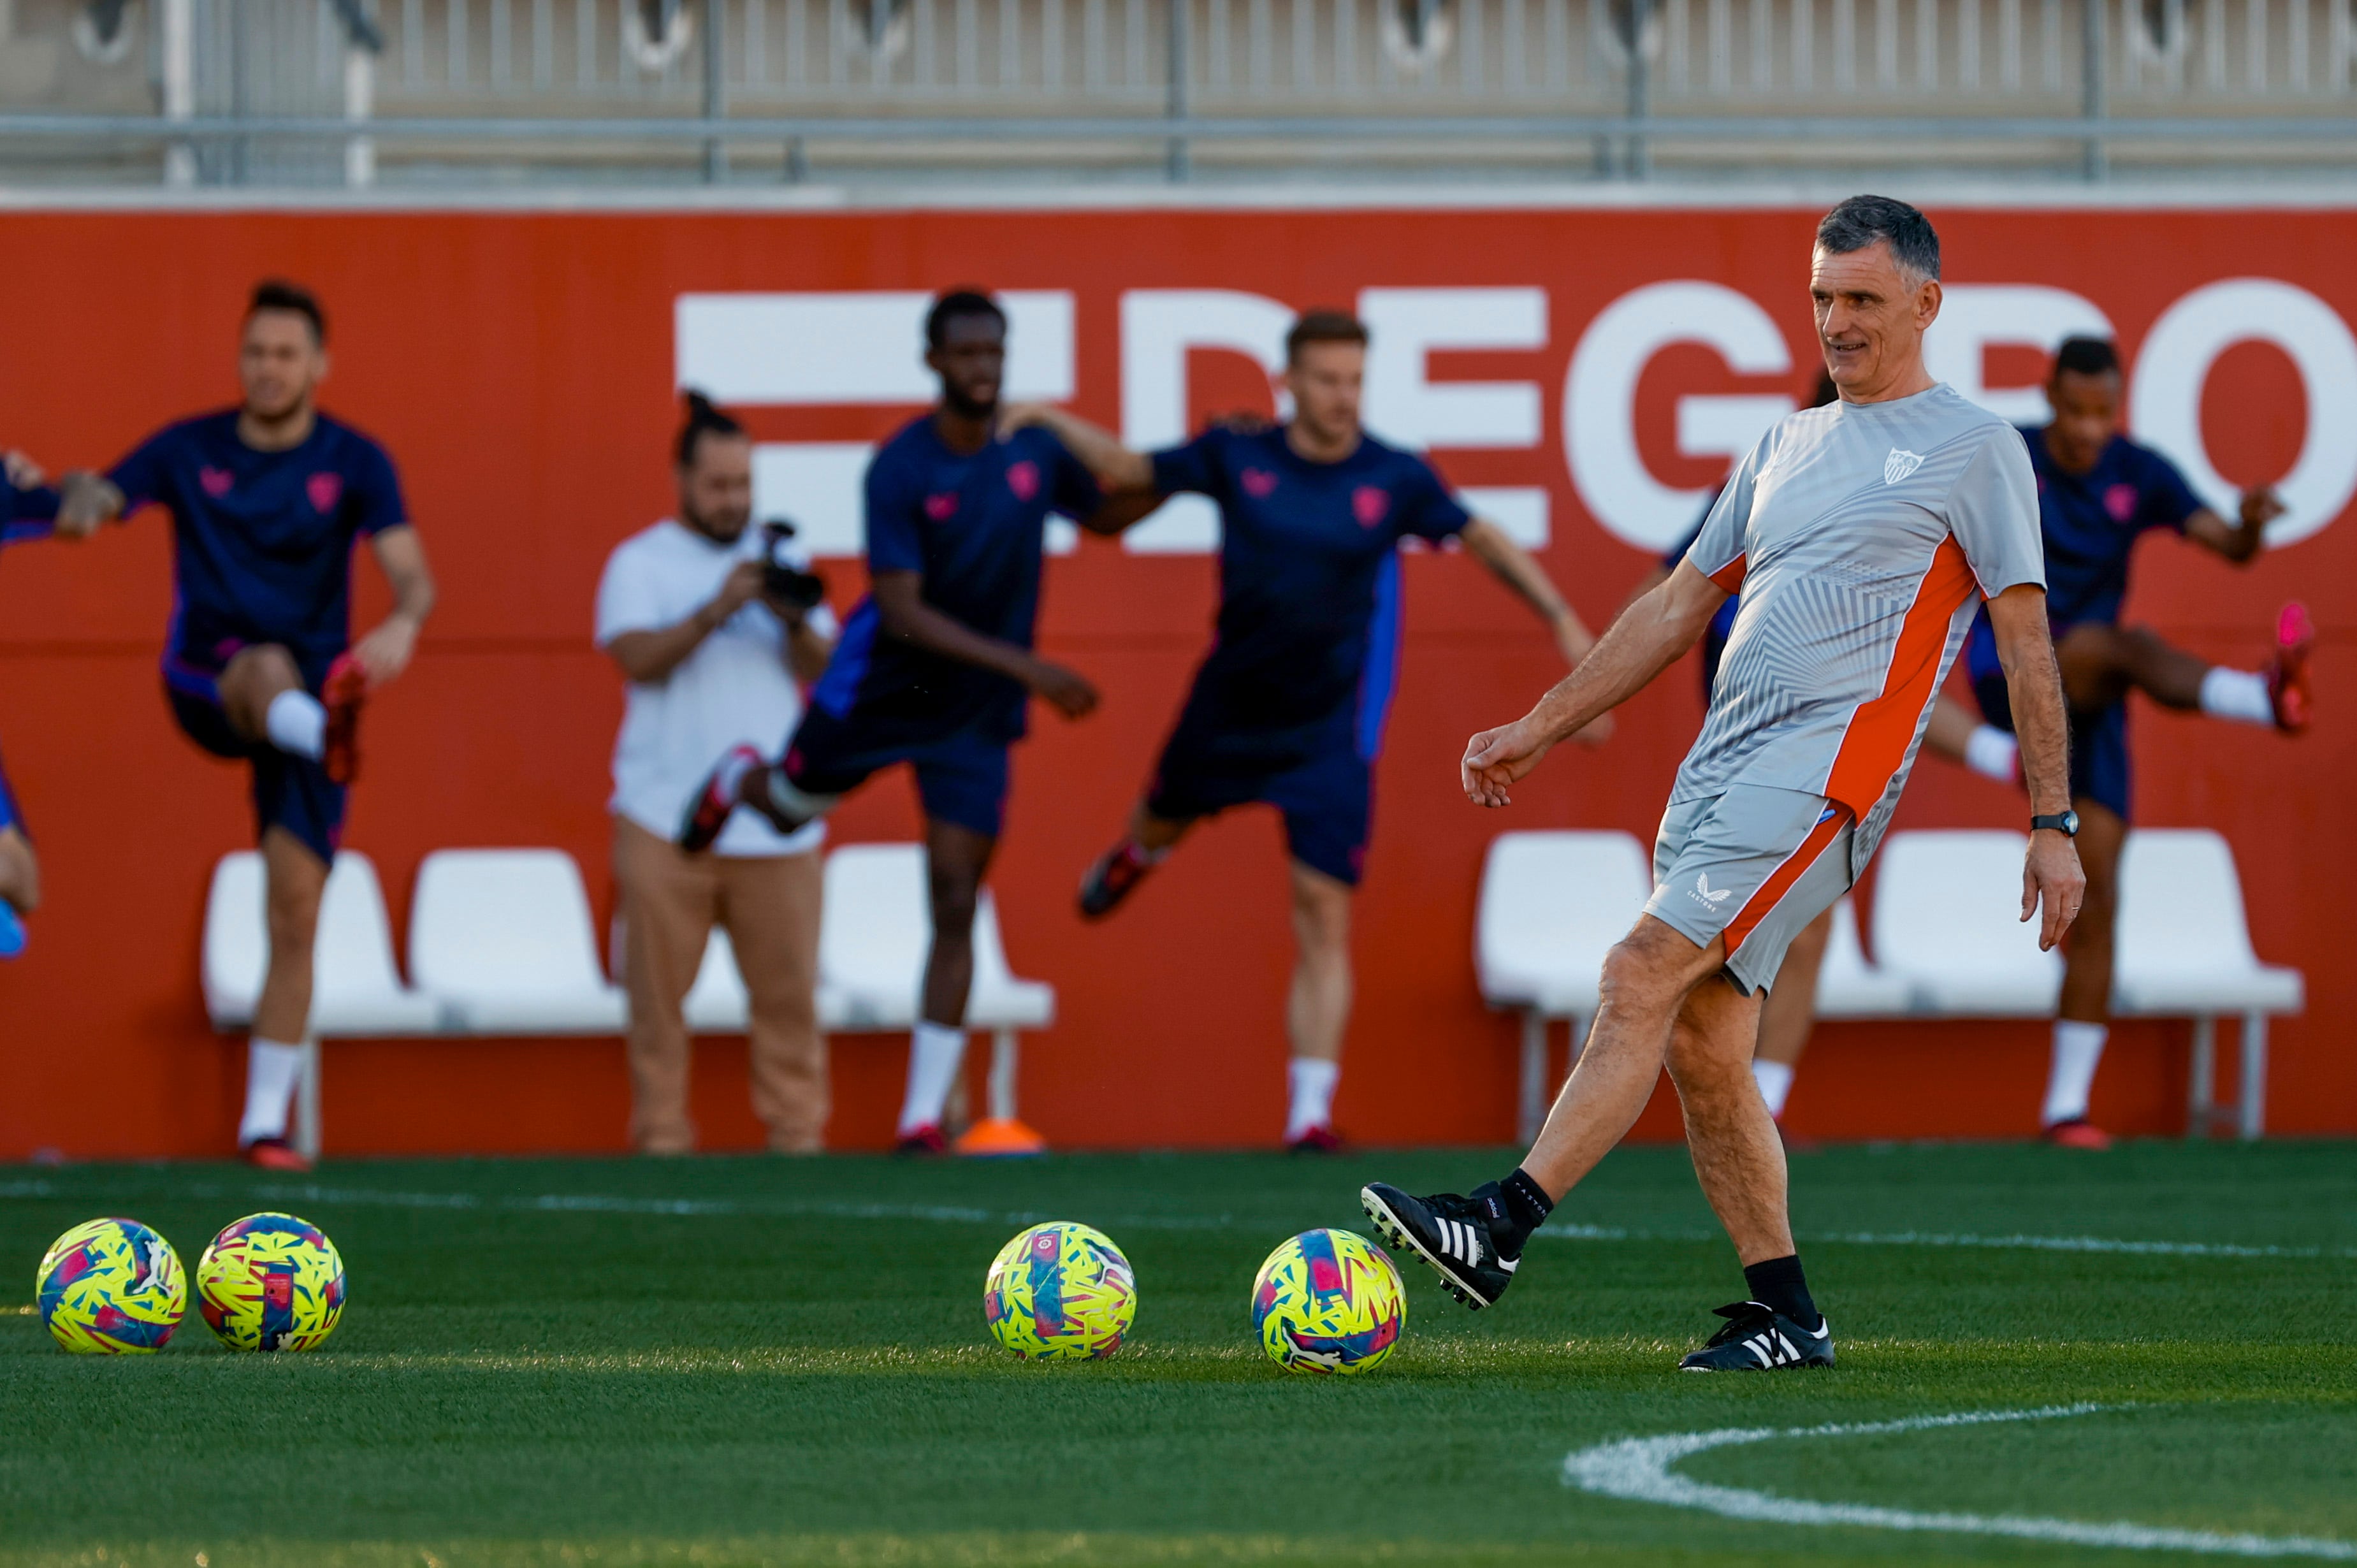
(1475, 1242)
(296, 878)
(956, 859)
(2101, 663)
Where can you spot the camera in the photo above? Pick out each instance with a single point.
(781, 579)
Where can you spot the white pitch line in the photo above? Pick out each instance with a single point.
(1637, 1469)
(610, 1203)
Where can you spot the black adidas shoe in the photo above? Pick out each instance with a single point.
(1453, 1234)
(1758, 1339)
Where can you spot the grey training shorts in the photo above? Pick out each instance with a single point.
(1754, 864)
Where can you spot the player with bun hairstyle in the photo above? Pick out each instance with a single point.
(267, 502)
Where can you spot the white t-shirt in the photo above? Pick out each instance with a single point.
(735, 689)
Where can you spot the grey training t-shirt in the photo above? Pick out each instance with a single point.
(1862, 536)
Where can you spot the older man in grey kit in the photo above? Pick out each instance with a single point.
(1863, 536)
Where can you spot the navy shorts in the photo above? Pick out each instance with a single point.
(2099, 746)
(961, 777)
(290, 792)
(11, 814)
(1318, 783)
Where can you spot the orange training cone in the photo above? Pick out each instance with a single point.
(1000, 1138)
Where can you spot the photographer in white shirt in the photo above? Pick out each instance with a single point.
(715, 639)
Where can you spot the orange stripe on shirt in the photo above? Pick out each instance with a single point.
(1780, 881)
(1730, 576)
(1882, 728)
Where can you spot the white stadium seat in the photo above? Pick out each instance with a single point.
(1552, 904)
(1946, 924)
(1851, 987)
(501, 939)
(872, 944)
(2185, 951)
(355, 989)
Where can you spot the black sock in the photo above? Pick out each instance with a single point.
(1517, 1207)
(1778, 1282)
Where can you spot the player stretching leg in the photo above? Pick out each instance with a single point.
(28, 510)
(2097, 492)
(267, 500)
(1289, 707)
(1861, 536)
(935, 666)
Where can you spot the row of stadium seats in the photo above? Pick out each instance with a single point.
(501, 941)
(1947, 943)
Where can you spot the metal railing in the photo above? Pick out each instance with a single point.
(278, 92)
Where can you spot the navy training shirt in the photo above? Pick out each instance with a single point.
(973, 526)
(262, 541)
(1308, 615)
(2090, 522)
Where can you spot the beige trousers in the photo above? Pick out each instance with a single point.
(769, 907)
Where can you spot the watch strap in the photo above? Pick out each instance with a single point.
(2061, 821)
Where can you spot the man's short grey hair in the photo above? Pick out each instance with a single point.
(1864, 220)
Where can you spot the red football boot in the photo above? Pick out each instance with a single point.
(2287, 685)
(2078, 1134)
(922, 1143)
(343, 693)
(274, 1155)
(723, 789)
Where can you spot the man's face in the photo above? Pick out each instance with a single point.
(1325, 381)
(715, 489)
(2086, 417)
(279, 362)
(971, 361)
(1870, 316)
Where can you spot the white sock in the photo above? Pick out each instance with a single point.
(271, 1070)
(1775, 1081)
(2237, 694)
(935, 1050)
(1992, 753)
(1312, 1105)
(296, 725)
(2077, 1049)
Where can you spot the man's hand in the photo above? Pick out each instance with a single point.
(1069, 690)
(85, 500)
(386, 651)
(739, 589)
(2260, 506)
(1498, 758)
(23, 472)
(2051, 879)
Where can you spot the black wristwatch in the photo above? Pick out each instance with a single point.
(2063, 822)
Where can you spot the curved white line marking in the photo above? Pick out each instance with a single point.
(1638, 1470)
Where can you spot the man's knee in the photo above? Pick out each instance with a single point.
(1649, 967)
(954, 898)
(20, 872)
(1321, 910)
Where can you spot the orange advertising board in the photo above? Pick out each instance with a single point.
(1583, 374)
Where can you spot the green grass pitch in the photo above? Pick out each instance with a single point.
(746, 1361)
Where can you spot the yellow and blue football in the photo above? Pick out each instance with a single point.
(271, 1281)
(1328, 1300)
(111, 1287)
(1059, 1292)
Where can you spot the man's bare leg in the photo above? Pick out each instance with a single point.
(1647, 977)
(295, 878)
(2101, 664)
(956, 859)
(2082, 1023)
(1738, 1157)
(1790, 1013)
(1317, 1004)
